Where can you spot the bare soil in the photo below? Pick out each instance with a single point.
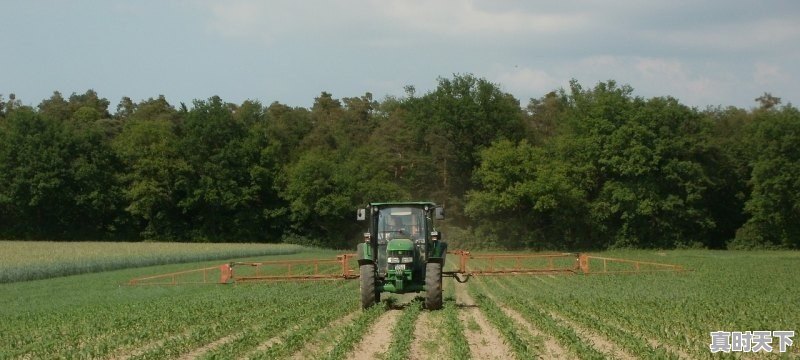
(598, 342)
(427, 342)
(127, 354)
(324, 341)
(194, 354)
(485, 342)
(552, 350)
(377, 340)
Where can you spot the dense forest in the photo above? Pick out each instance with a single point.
(578, 168)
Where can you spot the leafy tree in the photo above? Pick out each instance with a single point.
(622, 171)
(727, 160)
(57, 178)
(286, 128)
(220, 194)
(153, 169)
(453, 123)
(774, 206)
(324, 188)
(524, 197)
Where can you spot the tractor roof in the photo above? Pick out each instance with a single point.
(403, 203)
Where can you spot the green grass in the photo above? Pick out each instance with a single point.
(31, 260)
(94, 316)
(725, 290)
(400, 345)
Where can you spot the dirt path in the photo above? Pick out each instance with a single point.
(485, 342)
(552, 350)
(652, 342)
(268, 343)
(428, 343)
(134, 352)
(378, 337)
(324, 340)
(194, 354)
(598, 342)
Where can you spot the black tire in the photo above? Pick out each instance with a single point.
(368, 294)
(433, 286)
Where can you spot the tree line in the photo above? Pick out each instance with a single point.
(578, 168)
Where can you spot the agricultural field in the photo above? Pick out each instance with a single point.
(28, 260)
(658, 315)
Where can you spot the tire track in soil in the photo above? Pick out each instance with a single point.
(598, 342)
(377, 338)
(196, 353)
(652, 342)
(318, 344)
(427, 342)
(126, 354)
(268, 343)
(552, 349)
(485, 342)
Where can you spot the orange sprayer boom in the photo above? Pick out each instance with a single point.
(345, 267)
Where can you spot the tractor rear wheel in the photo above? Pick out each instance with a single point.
(368, 294)
(433, 286)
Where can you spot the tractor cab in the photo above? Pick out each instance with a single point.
(399, 245)
(404, 228)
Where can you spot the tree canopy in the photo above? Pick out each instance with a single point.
(578, 168)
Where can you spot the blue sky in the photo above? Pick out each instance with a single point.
(701, 52)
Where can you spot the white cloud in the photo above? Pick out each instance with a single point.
(765, 73)
(730, 36)
(698, 58)
(463, 17)
(649, 76)
(240, 19)
(527, 80)
(374, 19)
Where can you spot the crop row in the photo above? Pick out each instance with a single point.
(26, 260)
(565, 335)
(660, 315)
(173, 325)
(459, 347)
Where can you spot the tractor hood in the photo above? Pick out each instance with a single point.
(400, 245)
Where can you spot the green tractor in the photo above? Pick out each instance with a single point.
(402, 252)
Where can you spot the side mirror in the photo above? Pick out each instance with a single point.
(439, 213)
(361, 214)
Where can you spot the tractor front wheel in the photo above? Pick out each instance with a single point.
(368, 294)
(433, 286)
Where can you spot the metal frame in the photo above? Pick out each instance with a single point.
(469, 264)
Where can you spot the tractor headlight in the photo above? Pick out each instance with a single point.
(407, 260)
(393, 260)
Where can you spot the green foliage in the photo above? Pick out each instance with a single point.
(454, 329)
(621, 171)
(57, 178)
(218, 192)
(323, 188)
(400, 346)
(153, 169)
(774, 205)
(450, 126)
(522, 191)
(354, 332)
(512, 334)
(655, 315)
(23, 261)
(578, 168)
